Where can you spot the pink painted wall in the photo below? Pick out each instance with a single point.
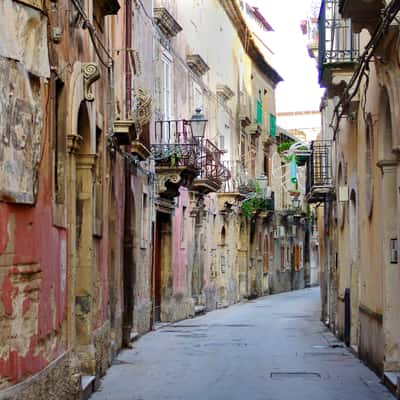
(180, 254)
(33, 284)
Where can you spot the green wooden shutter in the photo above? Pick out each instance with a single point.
(259, 113)
(272, 125)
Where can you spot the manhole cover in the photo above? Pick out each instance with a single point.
(327, 354)
(295, 375)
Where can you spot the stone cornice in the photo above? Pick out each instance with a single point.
(225, 92)
(196, 63)
(166, 22)
(233, 11)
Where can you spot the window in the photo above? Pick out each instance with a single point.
(166, 88)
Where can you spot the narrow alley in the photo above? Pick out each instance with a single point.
(273, 348)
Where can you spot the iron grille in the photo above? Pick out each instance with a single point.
(174, 144)
(337, 43)
(319, 166)
(238, 177)
(209, 161)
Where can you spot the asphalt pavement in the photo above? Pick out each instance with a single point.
(272, 348)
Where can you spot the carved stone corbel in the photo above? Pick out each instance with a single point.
(162, 181)
(73, 142)
(91, 74)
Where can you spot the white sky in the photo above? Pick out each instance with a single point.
(300, 90)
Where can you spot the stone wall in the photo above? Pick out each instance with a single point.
(60, 380)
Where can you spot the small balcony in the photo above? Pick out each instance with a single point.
(319, 180)
(338, 51)
(362, 13)
(126, 133)
(175, 153)
(212, 172)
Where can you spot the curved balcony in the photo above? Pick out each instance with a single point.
(175, 155)
(212, 172)
(338, 51)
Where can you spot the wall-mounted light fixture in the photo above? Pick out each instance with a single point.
(198, 124)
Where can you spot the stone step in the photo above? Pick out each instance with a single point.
(87, 386)
(199, 309)
(390, 380)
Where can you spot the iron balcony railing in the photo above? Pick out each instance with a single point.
(209, 161)
(338, 45)
(238, 177)
(174, 144)
(319, 167)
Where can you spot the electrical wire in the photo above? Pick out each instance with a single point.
(351, 89)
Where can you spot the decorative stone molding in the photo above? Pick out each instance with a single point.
(196, 63)
(253, 129)
(73, 142)
(91, 74)
(142, 111)
(225, 92)
(124, 131)
(170, 177)
(166, 22)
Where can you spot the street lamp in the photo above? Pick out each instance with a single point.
(262, 181)
(198, 124)
(296, 202)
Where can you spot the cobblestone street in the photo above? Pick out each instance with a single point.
(274, 348)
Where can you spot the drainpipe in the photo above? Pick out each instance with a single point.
(128, 43)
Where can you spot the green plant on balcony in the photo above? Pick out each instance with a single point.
(284, 146)
(256, 204)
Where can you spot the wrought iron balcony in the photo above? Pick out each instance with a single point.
(319, 180)
(362, 13)
(338, 50)
(175, 153)
(212, 172)
(238, 180)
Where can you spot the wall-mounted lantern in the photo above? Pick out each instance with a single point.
(198, 124)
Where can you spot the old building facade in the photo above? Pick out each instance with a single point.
(353, 177)
(141, 180)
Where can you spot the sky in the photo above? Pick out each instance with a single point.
(300, 90)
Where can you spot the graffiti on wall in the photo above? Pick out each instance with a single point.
(21, 121)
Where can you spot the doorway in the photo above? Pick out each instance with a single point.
(162, 268)
(128, 260)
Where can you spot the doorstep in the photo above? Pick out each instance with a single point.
(87, 386)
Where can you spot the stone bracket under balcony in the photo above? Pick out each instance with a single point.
(206, 185)
(337, 79)
(170, 179)
(363, 13)
(166, 22)
(225, 92)
(197, 64)
(124, 131)
(254, 129)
